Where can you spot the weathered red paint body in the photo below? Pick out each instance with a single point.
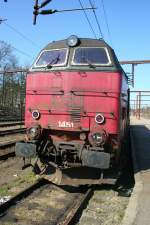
(54, 94)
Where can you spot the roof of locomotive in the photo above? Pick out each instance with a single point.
(84, 42)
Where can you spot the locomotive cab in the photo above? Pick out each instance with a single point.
(76, 107)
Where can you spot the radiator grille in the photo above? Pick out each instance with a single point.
(75, 114)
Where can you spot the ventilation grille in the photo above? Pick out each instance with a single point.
(75, 114)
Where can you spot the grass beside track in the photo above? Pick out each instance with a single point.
(17, 185)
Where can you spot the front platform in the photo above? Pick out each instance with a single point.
(140, 139)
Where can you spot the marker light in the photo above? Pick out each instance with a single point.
(35, 114)
(99, 118)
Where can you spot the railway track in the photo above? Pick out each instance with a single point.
(11, 123)
(10, 133)
(45, 203)
(7, 149)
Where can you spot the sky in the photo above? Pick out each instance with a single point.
(128, 21)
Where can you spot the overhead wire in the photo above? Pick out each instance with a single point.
(21, 34)
(21, 52)
(90, 25)
(98, 24)
(106, 21)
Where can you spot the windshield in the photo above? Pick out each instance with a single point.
(85, 56)
(52, 57)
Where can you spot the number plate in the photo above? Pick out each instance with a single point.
(65, 124)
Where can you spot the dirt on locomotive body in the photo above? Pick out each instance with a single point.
(77, 112)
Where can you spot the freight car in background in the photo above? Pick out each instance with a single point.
(76, 108)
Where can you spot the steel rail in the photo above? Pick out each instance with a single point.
(10, 142)
(11, 123)
(7, 149)
(12, 131)
(7, 155)
(77, 206)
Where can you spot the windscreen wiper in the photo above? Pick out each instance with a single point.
(88, 62)
(53, 61)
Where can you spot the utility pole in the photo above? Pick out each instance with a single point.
(37, 7)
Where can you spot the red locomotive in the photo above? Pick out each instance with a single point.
(76, 107)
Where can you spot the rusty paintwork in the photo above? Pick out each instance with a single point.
(93, 93)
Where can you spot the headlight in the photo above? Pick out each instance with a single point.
(35, 114)
(98, 138)
(34, 132)
(99, 118)
(72, 41)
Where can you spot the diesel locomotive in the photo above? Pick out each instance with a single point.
(77, 108)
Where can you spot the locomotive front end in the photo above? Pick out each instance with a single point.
(73, 107)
